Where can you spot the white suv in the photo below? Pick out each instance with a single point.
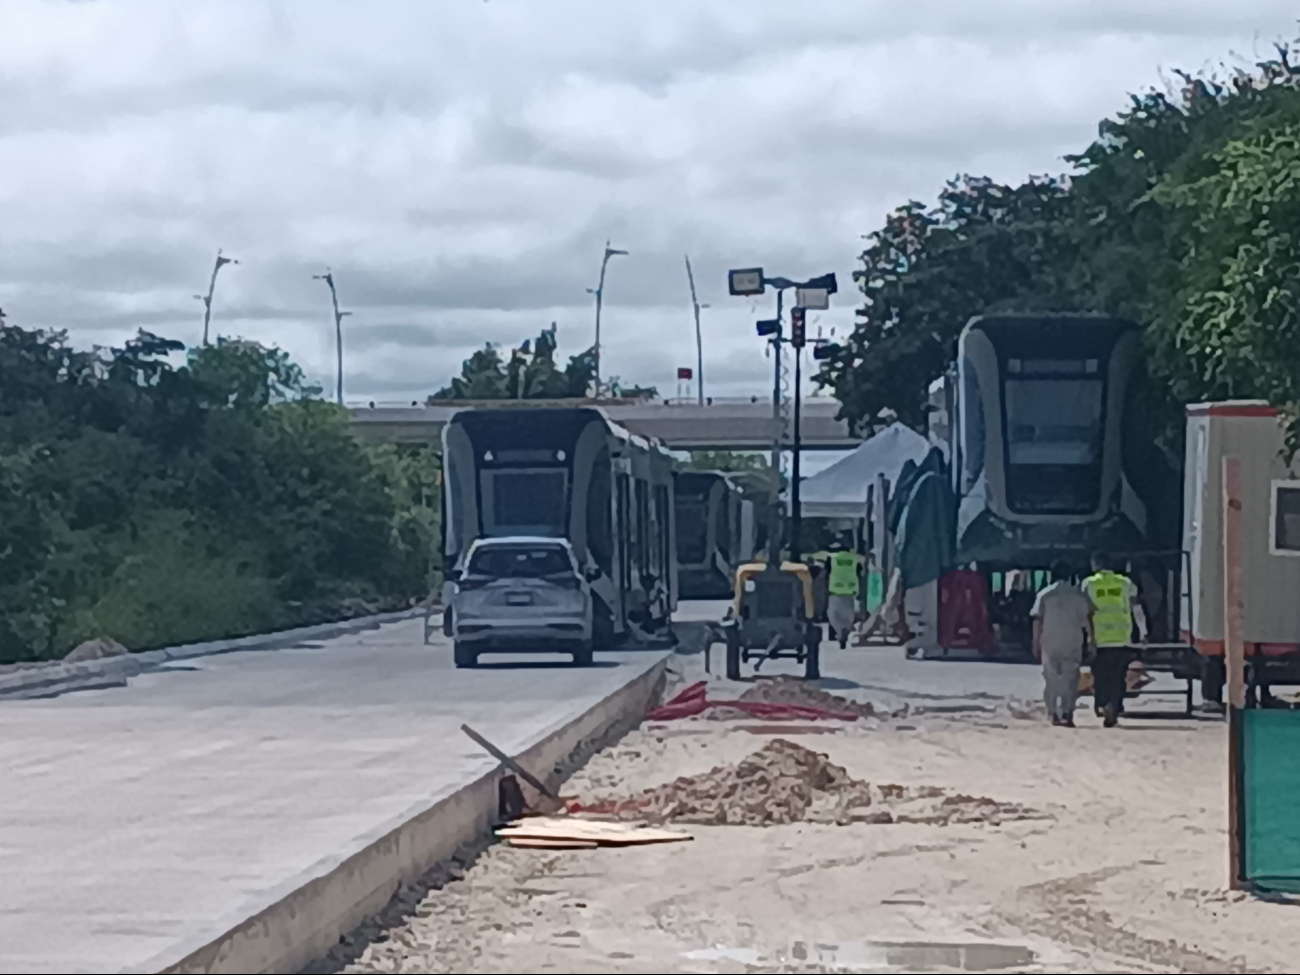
(521, 595)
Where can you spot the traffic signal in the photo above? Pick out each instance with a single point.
(825, 350)
(798, 329)
(826, 282)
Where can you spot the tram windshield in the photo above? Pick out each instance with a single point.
(1054, 421)
(524, 502)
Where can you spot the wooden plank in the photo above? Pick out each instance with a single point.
(604, 833)
(530, 843)
(507, 761)
(1234, 660)
(1234, 647)
(589, 831)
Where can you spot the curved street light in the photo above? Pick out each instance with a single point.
(212, 287)
(599, 292)
(328, 278)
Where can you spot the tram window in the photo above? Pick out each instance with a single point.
(624, 528)
(692, 531)
(600, 529)
(973, 425)
(661, 519)
(642, 526)
(1053, 421)
(525, 502)
(724, 525)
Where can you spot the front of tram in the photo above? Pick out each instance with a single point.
(1040, 473)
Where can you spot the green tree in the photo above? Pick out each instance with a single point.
(984, 247)
(1098, 240)
(530, 373)
(157, 504)
(1229, 324)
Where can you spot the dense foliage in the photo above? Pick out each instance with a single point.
(1180, 216)
(532, 373)
(159, 504)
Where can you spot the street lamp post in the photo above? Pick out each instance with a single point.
(814, 293)
(328, 278)
(599, 292)
(699, 339)
(212, 287)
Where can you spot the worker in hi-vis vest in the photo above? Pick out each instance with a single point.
(843, 588)
(1115, 607)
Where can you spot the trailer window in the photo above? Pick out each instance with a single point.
(1286, 518)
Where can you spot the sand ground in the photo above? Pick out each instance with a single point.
(1125, 872)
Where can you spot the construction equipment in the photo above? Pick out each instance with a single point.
(773, 615)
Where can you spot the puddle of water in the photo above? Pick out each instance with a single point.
(914, 955)
(909, 955)
(965, 957)
(743, 956)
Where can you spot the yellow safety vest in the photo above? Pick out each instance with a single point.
(1112, 619)
(844, 574)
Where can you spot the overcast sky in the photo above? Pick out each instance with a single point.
(460, 163)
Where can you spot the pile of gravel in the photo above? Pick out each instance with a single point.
(784, 783)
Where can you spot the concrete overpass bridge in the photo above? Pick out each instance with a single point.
(720, 424)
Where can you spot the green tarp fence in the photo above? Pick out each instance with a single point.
(1269, 802)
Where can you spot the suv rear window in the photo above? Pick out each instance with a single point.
(520, 562)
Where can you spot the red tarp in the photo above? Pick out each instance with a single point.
(694, 700)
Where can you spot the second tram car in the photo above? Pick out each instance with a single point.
(568, 473)
(715, 533)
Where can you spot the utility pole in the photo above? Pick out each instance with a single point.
(328, 278)
(599, 292)
(212, 287)
(699, 339)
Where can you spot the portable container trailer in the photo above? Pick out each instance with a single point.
(1253, 432)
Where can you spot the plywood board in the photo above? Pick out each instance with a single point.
(604, 833)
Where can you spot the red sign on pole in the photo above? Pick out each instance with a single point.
(685, 373)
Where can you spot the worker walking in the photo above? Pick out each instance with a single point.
(843, 588)
(1062, 616)
(1115, 607)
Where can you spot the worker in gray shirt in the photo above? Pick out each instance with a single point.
(1062, 617)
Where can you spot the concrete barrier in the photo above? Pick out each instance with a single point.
(58, 677)
(304, 919)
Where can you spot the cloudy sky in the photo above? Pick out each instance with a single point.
(460, 163)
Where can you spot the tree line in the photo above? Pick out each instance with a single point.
(1182, 215)
(159, 503)
(532, 372)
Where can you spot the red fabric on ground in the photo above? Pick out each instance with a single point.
(694, 700)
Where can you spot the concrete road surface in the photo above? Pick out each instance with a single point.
(134, 819)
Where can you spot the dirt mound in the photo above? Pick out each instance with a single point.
(784, 782)
(793, 690)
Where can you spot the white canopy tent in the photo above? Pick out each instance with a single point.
(840, 491)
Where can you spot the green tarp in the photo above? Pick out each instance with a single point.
(1270, 798)
(875, 594)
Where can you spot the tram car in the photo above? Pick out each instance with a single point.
(715, 533)
(568, 473)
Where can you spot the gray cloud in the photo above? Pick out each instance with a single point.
(461, 164)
